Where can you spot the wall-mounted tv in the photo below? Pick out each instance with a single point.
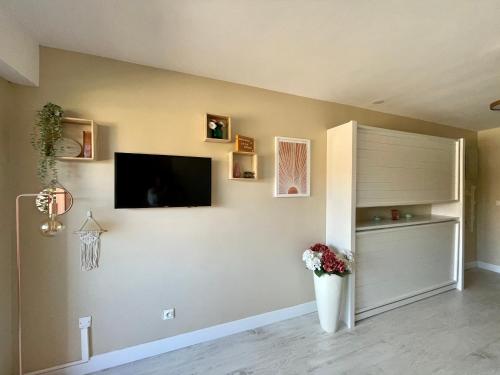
(143, 181)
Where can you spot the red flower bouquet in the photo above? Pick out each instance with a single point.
(320, 259)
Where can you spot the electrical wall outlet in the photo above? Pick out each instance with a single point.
(168, 314)
(85, 322)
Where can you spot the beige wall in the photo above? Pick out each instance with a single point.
(238, 258)
(489, 192)
(6, 226)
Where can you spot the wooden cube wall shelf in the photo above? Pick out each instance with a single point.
(247, 162)
(74, 129)
(223, 133)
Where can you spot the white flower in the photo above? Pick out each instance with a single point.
(308, 254)
(348, 255)
(314, 264)
(212, 125)
(348, 259)
(312, 260)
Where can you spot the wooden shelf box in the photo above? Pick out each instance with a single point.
(225, 136)
(74, 128)
(247, 162)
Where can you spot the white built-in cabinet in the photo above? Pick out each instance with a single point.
(395, 168)
(397, 262)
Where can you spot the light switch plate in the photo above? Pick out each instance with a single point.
(168, 314)
(85, 322)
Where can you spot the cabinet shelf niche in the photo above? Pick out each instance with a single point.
(222, 134)
(84, 132)
(247, 162)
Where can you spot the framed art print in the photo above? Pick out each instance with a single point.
(292, 167)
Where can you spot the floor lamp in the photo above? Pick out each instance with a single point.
(53, 201)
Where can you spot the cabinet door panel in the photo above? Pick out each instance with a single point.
(394, 263)
(395, 168)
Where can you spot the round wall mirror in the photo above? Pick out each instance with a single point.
(54, 200)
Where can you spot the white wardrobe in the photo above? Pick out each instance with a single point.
(371, 171)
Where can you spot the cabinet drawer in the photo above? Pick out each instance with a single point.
(395, 263)
(403, 168)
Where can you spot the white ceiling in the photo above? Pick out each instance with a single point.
(437, 60)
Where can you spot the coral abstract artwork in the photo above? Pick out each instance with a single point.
(292, 173)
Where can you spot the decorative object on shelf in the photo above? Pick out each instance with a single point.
(236, 170)
(377, 218)
(329, 267)
(243, 160)
(50, 228)
(292, 167)
(217, 128)
(45, 137)
(408, 216)
(67, 147)
(87, 144)
(90, 245)
(82, 131)
(395, 215)
(244, 144)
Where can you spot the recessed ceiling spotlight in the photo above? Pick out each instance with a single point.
(378, 102)
(495, 106)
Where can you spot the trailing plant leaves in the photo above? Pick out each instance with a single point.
(47, 131)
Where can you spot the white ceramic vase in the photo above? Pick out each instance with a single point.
(328, 289)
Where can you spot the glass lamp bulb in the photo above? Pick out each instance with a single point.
(52, 227)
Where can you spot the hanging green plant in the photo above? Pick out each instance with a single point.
(46, 133)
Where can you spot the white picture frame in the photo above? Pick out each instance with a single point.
(292, 167)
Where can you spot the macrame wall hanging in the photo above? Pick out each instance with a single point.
(90, 242)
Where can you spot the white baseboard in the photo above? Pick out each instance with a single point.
(150, 349)
(488, 266)
(482, 265)
(469, 265)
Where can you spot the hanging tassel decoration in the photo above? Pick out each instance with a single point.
(90, 243)
(90, 249)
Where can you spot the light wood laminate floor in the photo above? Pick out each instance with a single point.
(451, 333)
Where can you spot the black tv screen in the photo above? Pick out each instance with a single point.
(143, 181)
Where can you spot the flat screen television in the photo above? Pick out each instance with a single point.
(143, 181)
